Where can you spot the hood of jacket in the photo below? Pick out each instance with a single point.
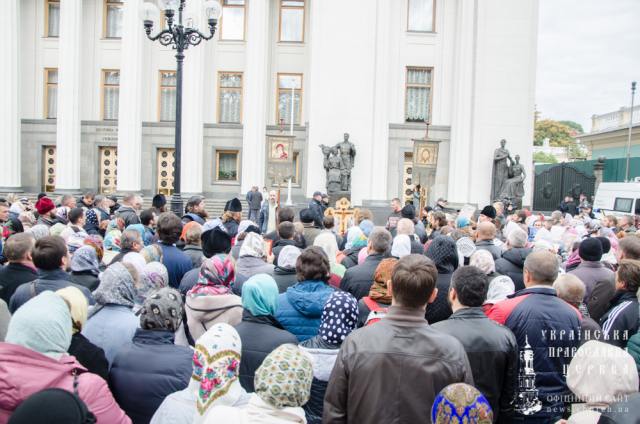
(24, 372)
(308, 297)
(284, 242)
(249, 265)
(323, 360)
(283, 271)
(517, 255)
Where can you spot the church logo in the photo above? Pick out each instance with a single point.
(527, 401)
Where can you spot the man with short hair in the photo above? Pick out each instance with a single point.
(87, 199)
(394, 216)
(512, 260)
(148, 220)
(130, 241)
(547, 330)
(195, 210)
(51, 257)
(627, 224)
(328, 222)
(128, 210)
(254, 199)
(310, 230)
(75, 234)
(485, 234)
(407, 227)
(598, 280)
(286, 231)
(392, 371)
(68, 201)
(98, 216)
(568, 206)
(621, 320)
(484, 341)
(286, 214)
(159, 204)
(17, 250)
(317, 209)
(629, 248)
(570, 289)
(176, 261)
(358, 279)
(268, 217)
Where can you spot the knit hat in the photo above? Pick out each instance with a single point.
(489, 211)
(408, 212)
(44, 206)
(215, 241)
(235, 205)
(162, 310)
(606, 244)
(590, 249)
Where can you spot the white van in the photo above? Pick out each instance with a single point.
(618, 199)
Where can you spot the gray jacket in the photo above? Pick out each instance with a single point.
(490, 247)
(128, 214)
(401, 361)
(599, 282)
(254, 198)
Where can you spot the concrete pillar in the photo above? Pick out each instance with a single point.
(193, 104)
(256, 95)
(69, 96)
(130, 106)
(9, 99)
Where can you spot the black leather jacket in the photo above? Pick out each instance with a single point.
(493, 354)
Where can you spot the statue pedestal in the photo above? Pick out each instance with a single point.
(337, 195)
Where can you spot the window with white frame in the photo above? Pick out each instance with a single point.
(112, 19)
(227, 164)
(230, 97)
(51, 93)
(418, 95)
(52, 18)
(232, 22)
(167, 104)
(292, 21)
(420, 15)
(110, 94)
(289, 98)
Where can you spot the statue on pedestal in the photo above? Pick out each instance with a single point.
(338, 163)
(500, 170)
(513, 188)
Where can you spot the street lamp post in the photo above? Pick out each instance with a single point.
(633, 93)
(179, 38)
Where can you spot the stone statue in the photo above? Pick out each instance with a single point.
(513, 188)
(338, 163)
(347, 154)
(500, 170)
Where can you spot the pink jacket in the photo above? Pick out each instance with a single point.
(24, 372)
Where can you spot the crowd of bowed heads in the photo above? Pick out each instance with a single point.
(114, 314)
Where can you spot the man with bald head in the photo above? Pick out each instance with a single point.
(547, 330)
(485, 235)
(571, 289)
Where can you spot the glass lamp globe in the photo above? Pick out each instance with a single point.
(212, 9)
(169, 4)
(149, 12)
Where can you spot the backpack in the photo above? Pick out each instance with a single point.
(376, 311)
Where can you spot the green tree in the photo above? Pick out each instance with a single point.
(542, 157)
(574, 125)
(559, 134)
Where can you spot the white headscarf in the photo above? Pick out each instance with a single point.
(499, 288)
(252, 245)
(401, 246)
(327, 242)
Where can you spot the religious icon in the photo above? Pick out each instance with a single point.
(280, 149)
(426, 155)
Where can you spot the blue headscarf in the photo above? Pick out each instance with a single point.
(260, 295)
(366, 226)
(85, 259)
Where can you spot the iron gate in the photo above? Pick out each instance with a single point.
(552, 184)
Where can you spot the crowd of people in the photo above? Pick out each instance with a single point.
(112, 313)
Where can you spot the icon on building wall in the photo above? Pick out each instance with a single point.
(280, 149)
(427, 155)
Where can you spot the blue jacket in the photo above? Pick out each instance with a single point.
(112, 327)
(547, 328)
(147, 370)
(300, 308)
(177, 263)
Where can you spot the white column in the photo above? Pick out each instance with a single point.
(69, 81)
(256, 94)
(193, 103)
(9, 99)
(130, 106)
(462, 117)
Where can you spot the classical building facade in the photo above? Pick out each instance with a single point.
(88, 102)
(609, 136)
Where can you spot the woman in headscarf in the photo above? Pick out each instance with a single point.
(483, 260)
(246, 226)
(401, 246)
(214, 380)
(259, 330)
(283, 384)
(327, 242)
(252, 260)
(339, 319)
(285, 271)
(444, 253)
(461, 403)
(111, 322)
(89, 355)
(373, 307)
(39, 231)
(152, 253)
(151, 367)
(85, 267)
(356, 240)
(499, 290)
(34, 357)
(154, 276)
(211, 300)
(600, 374)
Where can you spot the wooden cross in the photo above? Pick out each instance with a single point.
(343, 213)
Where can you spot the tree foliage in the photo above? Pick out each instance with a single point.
(571, 124)
(542, 157)
(559, 134)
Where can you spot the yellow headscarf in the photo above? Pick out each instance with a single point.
(78, 307)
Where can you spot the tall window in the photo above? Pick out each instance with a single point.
(52, 18)
(112, 19)
(110, 94)
(167, 106)
(230, 97)
(227, 165)
(232, 23)
(292, 21)
(50, 93)
(421, 16)
(418, 95)
(289, 90)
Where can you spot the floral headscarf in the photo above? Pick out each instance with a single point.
(116, 287)
(162, 310)
(339, 317)
(253, 245)
(85, 259)
(216, 275)
(461, 403)
(379, 290)
(284, 378)
(95, 241)
(355, 238)
(154, 276)
(152, 253)
(216, 369)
